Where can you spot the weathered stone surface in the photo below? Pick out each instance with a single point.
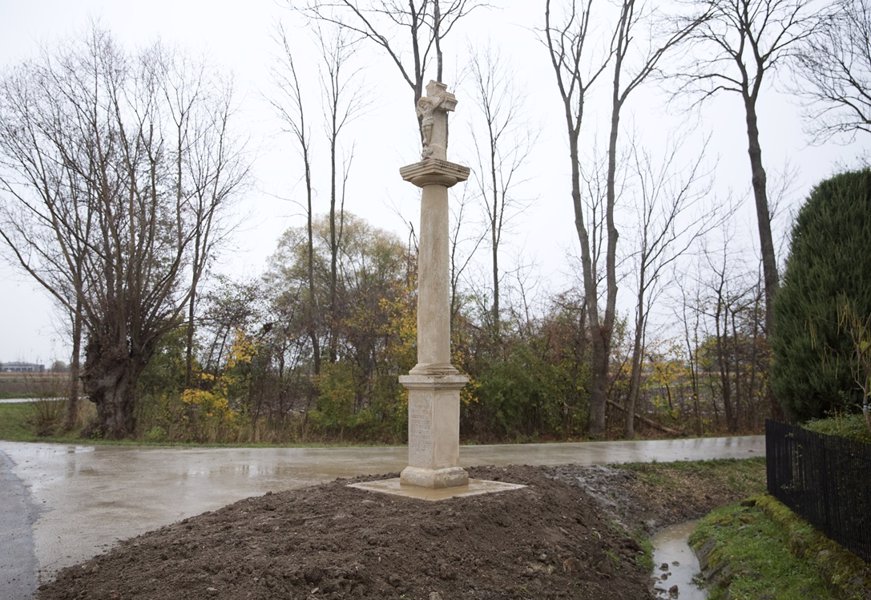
(433, 171)
(434, 384)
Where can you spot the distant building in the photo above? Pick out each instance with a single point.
(21, 367)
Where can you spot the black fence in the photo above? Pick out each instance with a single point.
(825, 479)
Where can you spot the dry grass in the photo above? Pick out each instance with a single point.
(33, 385)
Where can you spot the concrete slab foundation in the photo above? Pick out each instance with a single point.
(475, 487)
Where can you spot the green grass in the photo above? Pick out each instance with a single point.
(852, 427)
(760, 550)
(14, 424)
(744, 476)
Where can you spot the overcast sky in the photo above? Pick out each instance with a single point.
(238, 37)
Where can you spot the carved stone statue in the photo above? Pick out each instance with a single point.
(432, 110)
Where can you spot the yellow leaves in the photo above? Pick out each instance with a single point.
(242, 350)
(209, 405)
(469, 393)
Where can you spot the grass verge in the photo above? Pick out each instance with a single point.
(760, 550)
(852, 427)
(21, 422)
(745, 476)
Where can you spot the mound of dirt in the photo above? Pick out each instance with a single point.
(566, 535)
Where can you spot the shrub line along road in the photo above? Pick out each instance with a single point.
(61, 504)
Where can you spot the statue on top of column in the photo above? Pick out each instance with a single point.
(432, 110)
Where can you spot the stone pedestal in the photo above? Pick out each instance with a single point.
(434, 431)
(434, 384)
(433, 471)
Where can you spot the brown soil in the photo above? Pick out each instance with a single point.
(570, 534)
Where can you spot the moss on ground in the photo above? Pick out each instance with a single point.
(760, 550)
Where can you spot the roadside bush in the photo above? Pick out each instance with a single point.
(350, 406)
(46, 416)
(828, 271)
(523, 395)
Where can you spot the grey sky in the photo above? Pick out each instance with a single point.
(237, 36)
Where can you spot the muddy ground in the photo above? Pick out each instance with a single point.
(574, 532)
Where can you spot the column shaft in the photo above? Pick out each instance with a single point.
(433, 297)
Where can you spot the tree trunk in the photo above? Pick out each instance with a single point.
(495, 250)
(189, 333)
(763, 215)
(109, 378)
(599, 349)
(766, 243)
(635, 373)
(72, 413)
(313, 317)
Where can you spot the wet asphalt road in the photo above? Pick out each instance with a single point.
(17, 515)
(61, 504)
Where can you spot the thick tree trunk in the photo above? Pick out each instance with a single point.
(109, 377)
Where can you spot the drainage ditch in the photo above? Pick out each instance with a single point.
(675, 564)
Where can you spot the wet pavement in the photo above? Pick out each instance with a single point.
(17, 515)
(89, 497)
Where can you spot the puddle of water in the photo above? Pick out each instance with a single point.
(670, 547)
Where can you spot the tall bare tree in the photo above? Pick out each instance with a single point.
(90, 153)
(341, 101)
(670, 221)
(571, 50)
(292, 110)
(569, 45)
(834, 66)
(739, 46)
(208, 169)
(502, 145)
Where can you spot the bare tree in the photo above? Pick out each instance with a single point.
(690, 320)
(54, 257)
(738, 46)
(500, 151)
(569, 48)
(208, 168)
(626, 79)
(410, 32)
(670, 222)
(460, 256)
(89, 151)
(834, 65)
(291, 109)
(340, 103)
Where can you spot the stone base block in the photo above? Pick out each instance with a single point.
(434, 478)
(475, 487)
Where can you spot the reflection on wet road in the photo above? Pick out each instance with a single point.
(90, 497)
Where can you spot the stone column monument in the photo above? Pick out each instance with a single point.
(434, 384)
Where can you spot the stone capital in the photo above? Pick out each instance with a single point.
(434, 171)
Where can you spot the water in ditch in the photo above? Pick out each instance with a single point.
(675, 564)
